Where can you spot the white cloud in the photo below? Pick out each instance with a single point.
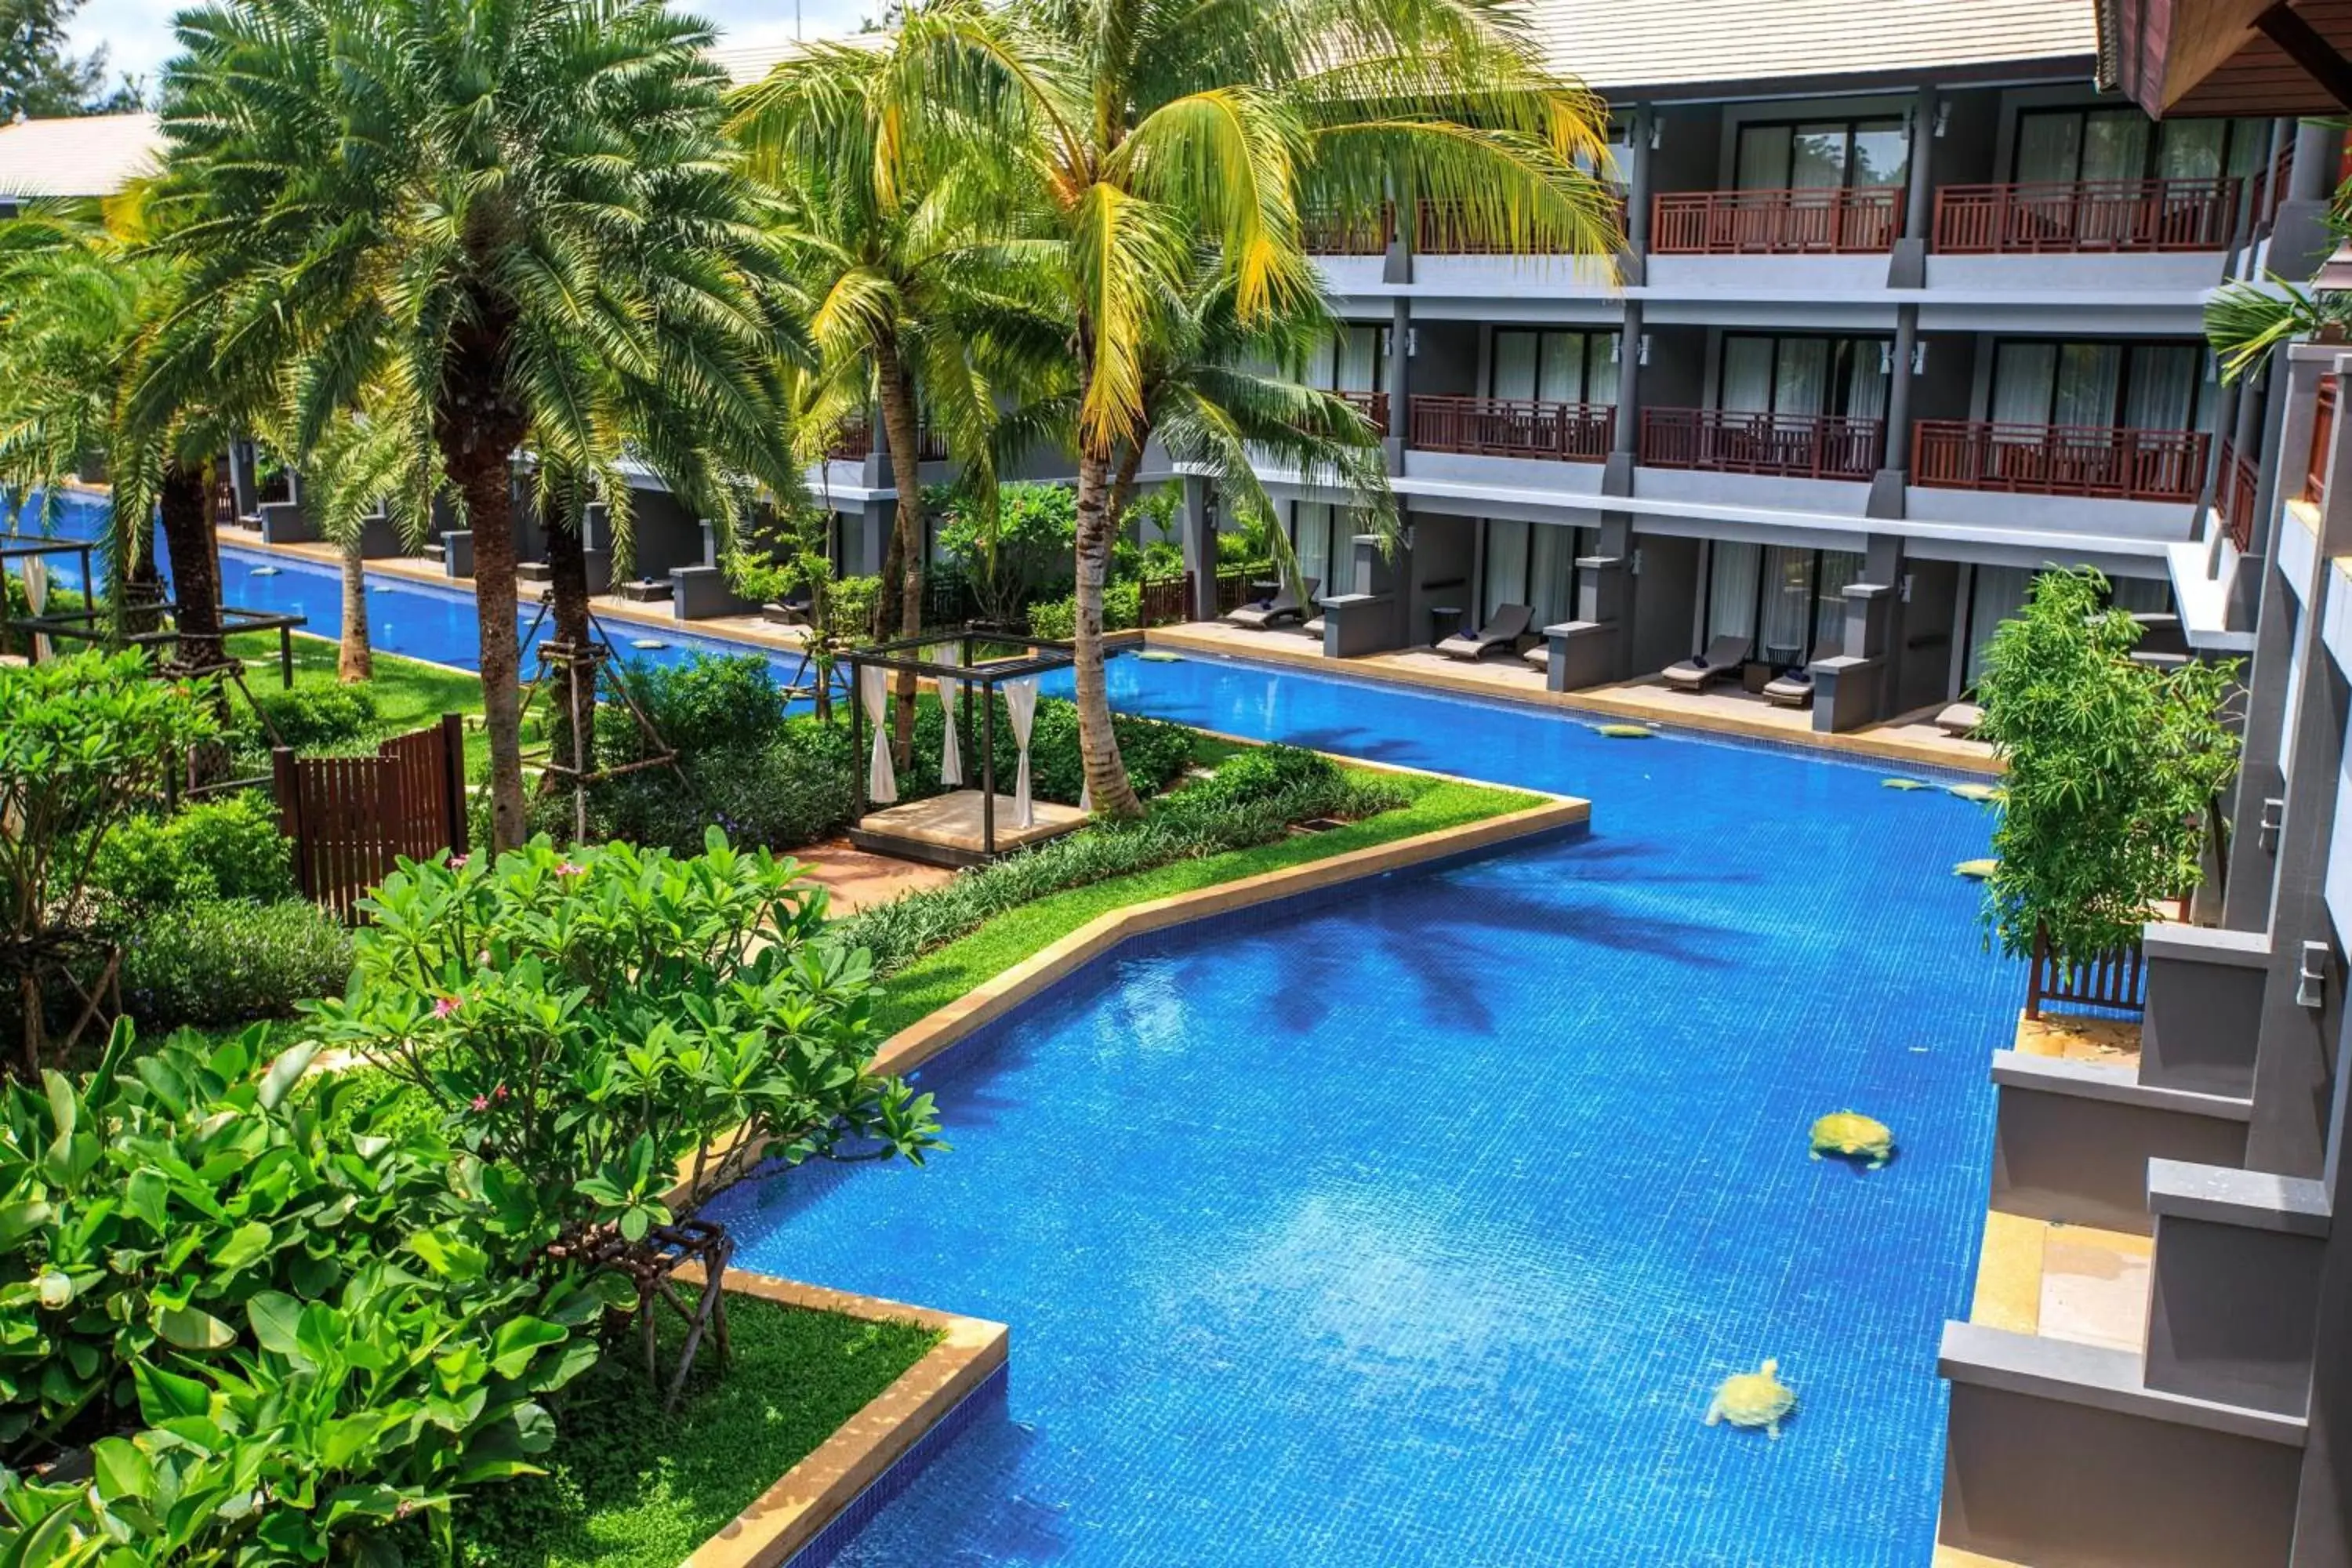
(137, 33)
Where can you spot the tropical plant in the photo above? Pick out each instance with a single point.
(1142, 131)
(2113, 770)
(617, 1034)
(524, 216)
(1014, 551)
(85, 742)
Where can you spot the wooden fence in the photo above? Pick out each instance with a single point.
(2116, 980)
(352, 817)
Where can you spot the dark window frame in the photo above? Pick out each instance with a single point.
(1839, 386)
(2197, 408)
(2151, 160)
(1584, 398)
(1850, 125)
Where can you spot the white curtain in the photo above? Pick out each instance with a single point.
(2163, 392)
(1801, 384)
(1552, 574)
(1839, 567)
(1788, 602)
(1359, 360)
(2049, 147)
(1763, 158)
(1865, 385)
(1747, 374)
(1021, 701)
(1506, 565)
(1515, 364)
(1600, 375)
(2022, 377)
(2115, 144)
(874, 691)
(950, 749)
(37, 596)
(2088, 377)
(1999, 594)
(1731, 589)
(1310, 536)
(1560, 376)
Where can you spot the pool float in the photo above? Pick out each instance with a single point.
(1158, 656)
(1976, 870)
(647, 644)
(1902, 784)
(1982, 794)
(1624, 731)
(1850, 1134)
(1756, 1398)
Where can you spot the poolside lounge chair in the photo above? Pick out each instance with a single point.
(1959, 720)
(1790, 689)
(1284, 606)
(1510, 623)
(1723, 657)
(790, 611)
(1313, 625)
(1539, 655)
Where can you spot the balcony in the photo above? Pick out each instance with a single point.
(1793, 446)
(1372, 406)
(2323, 437)
(855, 443)
(1512, 427)
(1440, 228)
(2094, 462)
(2234, 489)
(2086, 215)
(1329, 233)
(1819, 222)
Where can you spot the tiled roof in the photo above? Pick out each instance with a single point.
(95, 156)
(1623, 44)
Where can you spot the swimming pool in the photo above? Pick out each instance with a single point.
(1415, 1226)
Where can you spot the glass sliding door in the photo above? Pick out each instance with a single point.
(1787, 605)
(1554, 366)
(1312, 526)
(2063, 145)
(1803, 375)
(1996, 594)
(1734, 573)
(2141, 386)
(2162, 384)
(1506, 566)
(1838, 568)
(1822, 154)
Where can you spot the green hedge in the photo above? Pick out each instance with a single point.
(225, 848)
(225, 962)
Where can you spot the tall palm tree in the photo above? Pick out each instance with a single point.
(910, 300)
(359, 462)
(525, 212)
(1145, 127)
(78, 293)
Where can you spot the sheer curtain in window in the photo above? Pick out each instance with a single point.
(2115, 144)
(2190, 149)
(2162, 392)
(1311, 538)
(1817, 160)
(1561, 373)
(1359, 360)
(1551, 575)
(1506, 565)
(1747, 374)
(1865, 384)
(1515, 364)
(1600, 374)
(1788, 603)
(2089, 377)
(1763, 158)
(1882, 153)
(2023, 375)
(1839, 567)
(2049, 147)
(1999, 593)
(1800, 381)
(1731, 589)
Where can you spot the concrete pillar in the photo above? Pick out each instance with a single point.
(242, 478)
(1196, 534)
(1887, 498)
(1400, 387)
(1625, 434)
(1907, 267)
(1634, 264)
(2300, 238)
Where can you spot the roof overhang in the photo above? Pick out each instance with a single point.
(2182, 59)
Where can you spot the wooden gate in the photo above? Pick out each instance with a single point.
(351, 817)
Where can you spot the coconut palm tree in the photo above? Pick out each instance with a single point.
(78, 293)
(358, 463)
(1146, 127)
(528, 209)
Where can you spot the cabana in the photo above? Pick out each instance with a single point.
(963, 827)
(92, 623)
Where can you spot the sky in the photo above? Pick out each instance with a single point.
(137, 33)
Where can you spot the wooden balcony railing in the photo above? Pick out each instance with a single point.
(1441, 229)
(1809, 446)
(2086, 215)
(1372, 406)
(2267, 187)
(2233, 496)
(1513, 427)
(2322, 434)
(2116, 980)
(1783, 223)
(1329, 233)
(2058, 459)
(855, 443)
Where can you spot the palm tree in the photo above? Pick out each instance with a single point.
(908, 300)
(77, 295)
(358, 463)
(1147, 128)
(523, 213)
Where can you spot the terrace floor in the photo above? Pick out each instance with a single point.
(1913, 738)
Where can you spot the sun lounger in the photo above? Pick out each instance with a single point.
(1961, 720)
(1790, 689)
(1284, 606)
(1509, 624)
(1723, 657)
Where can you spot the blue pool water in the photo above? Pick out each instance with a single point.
(1415, 1226)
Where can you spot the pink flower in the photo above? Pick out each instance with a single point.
(568, 868)
(482, 1102)
(457, 862)
(501, 1093)
(444, 1005)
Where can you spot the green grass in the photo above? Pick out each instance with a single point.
(409, 694)
(941, 976)
(629, 1487)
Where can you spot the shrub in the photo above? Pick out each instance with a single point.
(1263, 773)
(787, 790)
(312, 718)
(709, 703)
(225, 962)
(225, 848)
(1026, 554)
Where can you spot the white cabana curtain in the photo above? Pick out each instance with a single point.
(37, 597)
(1021, 701)
(950, 752)
(874, 691)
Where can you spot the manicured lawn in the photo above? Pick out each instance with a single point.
(408, 694)
(941, 976)
(628, 1486)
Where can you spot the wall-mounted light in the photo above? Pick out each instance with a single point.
(2311, 976)
(1943, 118)
(1885, 359)
(1904, 589)
(1616, 348)
(2266, 829)
(1919, 356)
(1411, 341)
(1642, 350)
(1636, 567)
(1657, 134)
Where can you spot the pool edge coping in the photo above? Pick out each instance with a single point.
(992, 998)
(776, 1527)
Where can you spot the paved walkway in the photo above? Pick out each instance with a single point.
(855, 879)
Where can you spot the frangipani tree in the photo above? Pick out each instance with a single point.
(1147, 130)
(528, 210)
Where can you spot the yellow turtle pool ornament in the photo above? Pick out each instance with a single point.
(1756, 1398)
(1850, 1135)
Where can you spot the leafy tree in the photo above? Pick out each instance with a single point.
(2115, 768)
(525, 215)
(41, 77)
(1142, 130)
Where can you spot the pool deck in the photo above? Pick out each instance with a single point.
(1911, 739)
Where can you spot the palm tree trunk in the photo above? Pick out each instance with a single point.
(1106, 772)
(898, 421)
(354, 656)
(186, 514)
(477, 425)
(1122, 483)
(575, 694)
